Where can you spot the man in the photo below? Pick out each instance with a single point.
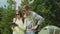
(32, 20)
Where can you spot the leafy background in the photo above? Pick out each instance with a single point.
(48, 9)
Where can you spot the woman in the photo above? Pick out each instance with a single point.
(18, 27)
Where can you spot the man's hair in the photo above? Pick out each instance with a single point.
(26, 6)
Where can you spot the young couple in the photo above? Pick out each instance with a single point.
(26, 24)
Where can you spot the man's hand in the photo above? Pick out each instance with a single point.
(35, 27)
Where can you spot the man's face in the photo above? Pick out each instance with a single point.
(25, 9)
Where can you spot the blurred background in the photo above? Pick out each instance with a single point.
(48, 9)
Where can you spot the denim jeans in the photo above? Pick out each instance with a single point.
(29, 32)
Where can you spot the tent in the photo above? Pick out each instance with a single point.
(50, 30)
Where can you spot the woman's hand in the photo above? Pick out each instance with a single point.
(13, 25)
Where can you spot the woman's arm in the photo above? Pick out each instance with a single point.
(13, 25)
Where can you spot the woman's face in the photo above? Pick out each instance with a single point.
(17, 14)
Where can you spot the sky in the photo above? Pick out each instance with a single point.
(4, 2)
(18, 2)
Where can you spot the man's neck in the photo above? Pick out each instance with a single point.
(27, 14)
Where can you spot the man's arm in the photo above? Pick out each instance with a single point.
(37, 18)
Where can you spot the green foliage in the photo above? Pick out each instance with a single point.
(6, 17)
(48, 9)
(24, 2)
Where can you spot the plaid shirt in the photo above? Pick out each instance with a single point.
(37, 19)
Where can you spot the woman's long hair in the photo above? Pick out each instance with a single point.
(20, 15)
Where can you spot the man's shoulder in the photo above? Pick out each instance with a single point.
(33, 12)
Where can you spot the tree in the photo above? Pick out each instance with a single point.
(7, 15)
(49, 9)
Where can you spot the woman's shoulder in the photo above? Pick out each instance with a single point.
(17, 19)
(14, 18)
